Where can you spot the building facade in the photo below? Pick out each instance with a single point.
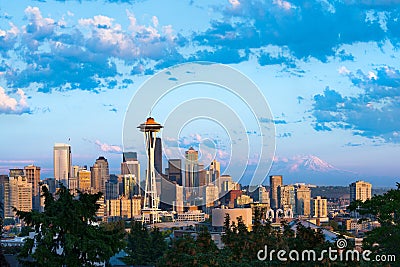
(303, 200)
(274, 181)
(319, 207)
(100, 174)
(62, 160)
(360, 190)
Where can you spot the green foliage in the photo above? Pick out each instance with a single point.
(386, 209)
(188, 251)
(67, 233)
(25, 231)
(145, 246)
(3, 261)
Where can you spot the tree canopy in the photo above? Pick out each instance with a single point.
(145, 246)
(386, 209)
(67, 232)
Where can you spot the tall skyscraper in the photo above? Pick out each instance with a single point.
(151, 200)
(286, 197)
(215, 170)
(274, 181)
(202, 177)
(130, 165)
(175, 171)
(319, 207)
(20, 195)
(158, 156)
(191, 168)
(32, 173)
(100, 174)
(129, 156)
(62, 162)
(112, 189)
(303, 200)
(5, 195)
(360, 190)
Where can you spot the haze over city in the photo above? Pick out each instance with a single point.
(68, 71)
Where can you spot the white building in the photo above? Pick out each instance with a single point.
(62, 162)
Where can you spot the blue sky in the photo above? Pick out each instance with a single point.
(330, 71)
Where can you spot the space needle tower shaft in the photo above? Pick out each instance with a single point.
(151, 201)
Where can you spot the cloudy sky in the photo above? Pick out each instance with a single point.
(329, 69)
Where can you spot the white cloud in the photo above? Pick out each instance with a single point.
(343, 70)
(155, 21)
(234, 3)
(372, 75)
(10, 105)
(283, 4)
(108, 148)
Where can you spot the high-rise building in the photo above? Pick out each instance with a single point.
(175, 171)
(32, 173)
(123, 207)
(215, 170)
(303, 199)
(226, 184)
(286, 197)
(131, 185)
(16, 173)
(5, 195)
(73, 185)
(20, 195)
(319, 207)
(62, 163)
(76, 169)
(360, 190)
(261, 195)
(274, 181)
(211, 196)
(158, 156)
(130, 164)
(171, 197)
(112, 189)
(100, 174)
(202, 175)
(84, 180)
(191, 168)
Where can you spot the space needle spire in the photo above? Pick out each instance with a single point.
(151, 200)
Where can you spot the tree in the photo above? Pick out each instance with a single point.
(189, 251)
(3, 261)
(145, 246)
(67, 233)
(386, 209)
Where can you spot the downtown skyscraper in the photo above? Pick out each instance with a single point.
(62, 161)
(274, 181)
(100, 174)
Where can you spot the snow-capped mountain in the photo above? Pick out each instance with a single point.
(310, 162)
(310, 169)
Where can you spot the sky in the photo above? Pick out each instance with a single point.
(329, 71)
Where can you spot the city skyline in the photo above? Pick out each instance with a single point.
(68, 71)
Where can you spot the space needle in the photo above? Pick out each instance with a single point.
(150, 206)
